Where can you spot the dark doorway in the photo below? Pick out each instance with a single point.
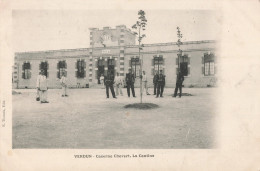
(111, 66)
(101, 70)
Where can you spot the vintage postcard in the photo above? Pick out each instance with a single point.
(125, 85)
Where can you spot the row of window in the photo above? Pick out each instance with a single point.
(208, 68)
(80, 67)
(208, 61)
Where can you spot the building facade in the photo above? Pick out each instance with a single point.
(115, 50)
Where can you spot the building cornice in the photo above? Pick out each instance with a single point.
(171, 51)
(116, 47)
(173, 43)
(52, 57)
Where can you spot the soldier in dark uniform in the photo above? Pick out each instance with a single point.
(155, 79)
(179, 81)
(130, 81)
(109, 81)
(160, 84)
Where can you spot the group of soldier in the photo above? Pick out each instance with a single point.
(158, 82)
(110, 81)
(42, 87)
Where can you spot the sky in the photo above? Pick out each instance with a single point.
(36, 30)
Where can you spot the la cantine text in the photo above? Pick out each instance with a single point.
(114, 156)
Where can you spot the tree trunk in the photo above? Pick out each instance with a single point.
(141, 69)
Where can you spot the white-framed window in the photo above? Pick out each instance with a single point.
(135, 66)
(44, 66)
(208, 64)
(184, 64)
(158, 64)
(61, 66)
(26, 70)
(80, 68)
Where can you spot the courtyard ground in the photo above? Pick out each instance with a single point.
(86, 119)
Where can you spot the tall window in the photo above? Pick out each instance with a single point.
(111, 65)
(26, 73)
(184, 61)
(135, 66)
(61, 66)
(101, 69)
(80, 66)
(44, 66)
(209, 64)
(158, 63)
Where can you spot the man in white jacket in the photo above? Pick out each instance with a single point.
(145, 86)
(119, 82)
(64, 85)
(42, 86)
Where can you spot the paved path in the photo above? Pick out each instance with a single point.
(86, 119)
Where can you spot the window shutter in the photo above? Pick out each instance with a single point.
(76, 74)
(23, 66)
(130, 64)
(96, 74)
(29, 65)
(47, 74)
(47, 65)
(203, 70)
(84, 73)
(177, 61)
(29, 75)
(96, 63)
(58, 74)
(84, 63)
(188, 70)
(76, 64)
(65, 73)
(23, 75)
(65, 64)
(188, 60)
(40, 66)
(163, 61)
(58, 66)
(202, 60)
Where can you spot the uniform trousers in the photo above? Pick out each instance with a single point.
(144, 83)
(43, 95)
(132, 88)
(160, 88)
(111, 87)
(154, 89)
(178, 86)
(64, 90)
(119, 86)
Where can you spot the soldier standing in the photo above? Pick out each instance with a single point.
(64, 85)
(109, 81)
(155, 79)
(145, 85)
(179, 81)
(42, 87)
(160, 84)
(119, 83)
(130, 81)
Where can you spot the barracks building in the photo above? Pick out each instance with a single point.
(115, 49)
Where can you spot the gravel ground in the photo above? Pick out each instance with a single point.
(86, 119)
